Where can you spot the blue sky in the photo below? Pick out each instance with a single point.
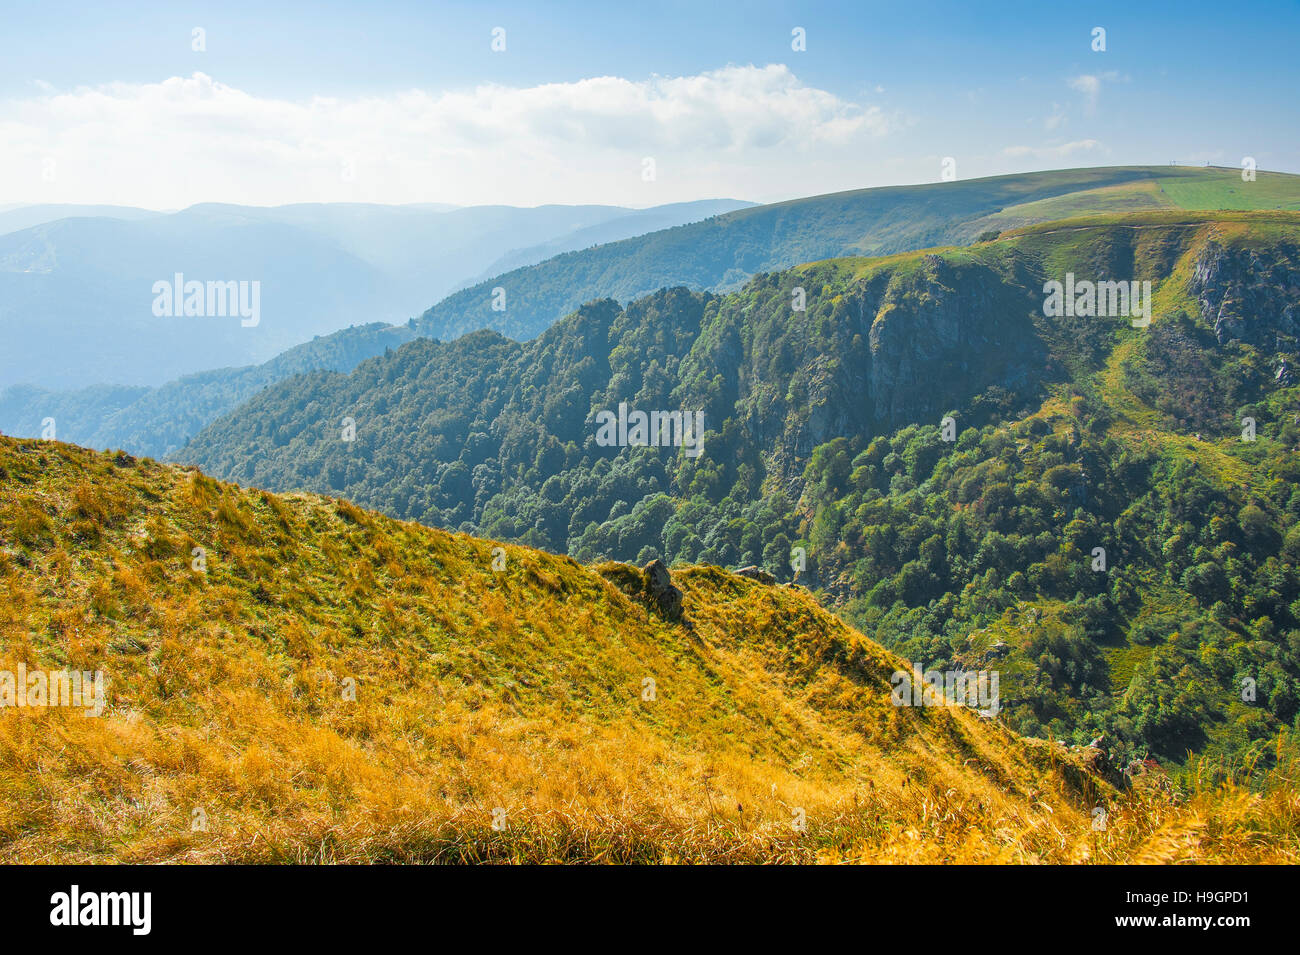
(405, 102)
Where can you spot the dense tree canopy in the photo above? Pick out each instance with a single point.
(1098, 529)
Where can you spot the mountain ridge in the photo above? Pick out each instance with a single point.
(410, 695)
(721, 253)
(1139, 188)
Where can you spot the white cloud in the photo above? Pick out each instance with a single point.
(1063, 151)
(190, 139)
(1089, 84)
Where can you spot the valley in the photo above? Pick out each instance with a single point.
(823, 434)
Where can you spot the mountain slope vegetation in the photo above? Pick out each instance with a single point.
(293, 679)
(722, 252)
(824, 450)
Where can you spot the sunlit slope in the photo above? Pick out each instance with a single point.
(475, 689)
(1179, 187)
(232, 732)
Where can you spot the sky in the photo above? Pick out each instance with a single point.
(163, 105)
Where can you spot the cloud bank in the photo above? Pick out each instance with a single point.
(188, 139)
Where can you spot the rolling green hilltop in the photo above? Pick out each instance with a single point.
(722, 252)
(823, 438)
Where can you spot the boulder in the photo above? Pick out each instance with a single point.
(756, 573)
(663, 592)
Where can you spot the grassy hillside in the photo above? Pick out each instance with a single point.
(231, 733)
(823, 433)
(722, 252)
(1176, 188)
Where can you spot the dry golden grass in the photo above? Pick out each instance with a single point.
(476, 690)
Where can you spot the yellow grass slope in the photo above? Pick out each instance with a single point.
(293, 679)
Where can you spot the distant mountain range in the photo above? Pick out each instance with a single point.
(17, 216)
(718, 252)
(158, 421)
(78, 303)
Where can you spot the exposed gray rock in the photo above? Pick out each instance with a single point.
(756, 573)
(662, 589)
(914, 345)
(1248, 297)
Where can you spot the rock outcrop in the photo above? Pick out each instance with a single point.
(663, 592)
(1251, 297)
